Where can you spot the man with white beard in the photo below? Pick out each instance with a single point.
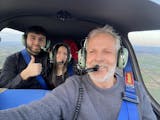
(96, 95)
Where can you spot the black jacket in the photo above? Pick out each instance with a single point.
(15, 64)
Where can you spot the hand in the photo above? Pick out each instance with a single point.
(33, 69)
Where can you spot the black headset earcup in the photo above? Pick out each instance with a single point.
(122, 58)
(82, 58)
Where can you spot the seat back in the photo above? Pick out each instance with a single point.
(74, 49)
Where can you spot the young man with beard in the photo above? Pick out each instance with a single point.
(99, 92)
(16, 73)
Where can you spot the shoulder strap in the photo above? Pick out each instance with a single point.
(129, 107)
(70, 70)
(39, 78)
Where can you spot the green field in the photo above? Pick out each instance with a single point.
(150, 69)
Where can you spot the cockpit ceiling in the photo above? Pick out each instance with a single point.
(75, 18)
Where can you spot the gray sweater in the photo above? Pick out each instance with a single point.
(97, 104)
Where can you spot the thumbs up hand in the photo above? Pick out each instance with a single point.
(33, 69)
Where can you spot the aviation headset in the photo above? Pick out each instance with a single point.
(122, 56)
(37, 30)
(55, 49)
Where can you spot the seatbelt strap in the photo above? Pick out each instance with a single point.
(70, 69)
(39, 78)
(129, 107)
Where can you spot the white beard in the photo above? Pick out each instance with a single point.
(107, 77)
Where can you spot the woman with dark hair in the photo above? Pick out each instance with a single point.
(61, 66)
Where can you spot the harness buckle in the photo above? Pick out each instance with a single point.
(132, 98)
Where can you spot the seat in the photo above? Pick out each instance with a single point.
(10, 98)
(74, 49)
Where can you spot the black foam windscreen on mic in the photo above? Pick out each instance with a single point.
(95, 68)
(61, 62)
(84, 71)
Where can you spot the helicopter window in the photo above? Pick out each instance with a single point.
(155, 1)
(10, 42)
(146, 45)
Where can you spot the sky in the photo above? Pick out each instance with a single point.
(11, 31)
(145, 38)
(156, 1)
(10, 35)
